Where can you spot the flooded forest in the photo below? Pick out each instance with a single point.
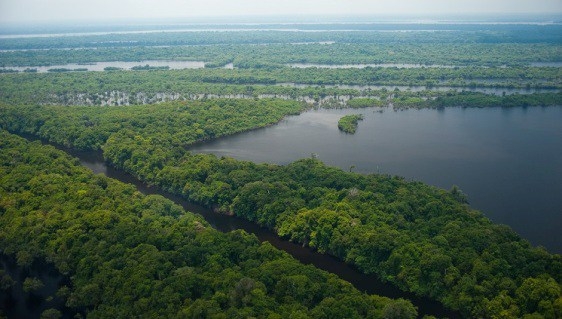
(355, 169)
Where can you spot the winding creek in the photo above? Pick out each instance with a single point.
(365, 283)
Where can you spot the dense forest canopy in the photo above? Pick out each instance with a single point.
(422, 239)
(270, 46)
(270, 34)
(133, 255)
(129, 254)
(539, 77)
(448, 54)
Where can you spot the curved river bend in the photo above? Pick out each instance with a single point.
(366, 283)
(508, 160)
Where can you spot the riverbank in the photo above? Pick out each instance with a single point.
(273, 196)
(370, 284)
(145, 229)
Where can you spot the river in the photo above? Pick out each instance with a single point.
(508, 160)
(365, 283)
(125, 65)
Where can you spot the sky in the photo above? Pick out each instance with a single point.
(25, 11)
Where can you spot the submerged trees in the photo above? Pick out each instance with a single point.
(134, 255)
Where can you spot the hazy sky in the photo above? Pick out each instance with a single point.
(59, 10)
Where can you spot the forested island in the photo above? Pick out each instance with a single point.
(128, 254)
(348, 123)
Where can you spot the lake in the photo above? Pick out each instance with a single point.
(508, 160)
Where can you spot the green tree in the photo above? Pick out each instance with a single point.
(32, 284)
(399, 309)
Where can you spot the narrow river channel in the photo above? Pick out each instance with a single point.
(365, 283)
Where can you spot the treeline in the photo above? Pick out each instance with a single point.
(420, 238)
(458, 53)
(470, 76)
(463, 33)
(130, 255)
(61, 70)
(467, 99)
(523, 77)
(147, 68)
(175, 123)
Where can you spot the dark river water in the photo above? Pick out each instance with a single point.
(17, 304)
(365, 283)
(508, 161)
